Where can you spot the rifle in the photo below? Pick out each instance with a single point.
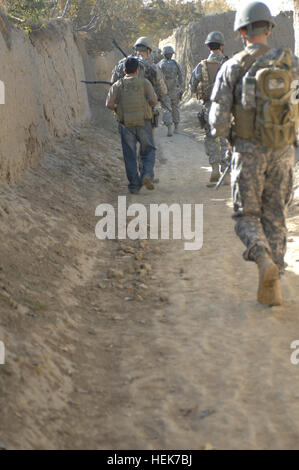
(99, 81)
(227, 169)
(119, 48)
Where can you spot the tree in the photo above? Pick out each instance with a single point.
(123, 19)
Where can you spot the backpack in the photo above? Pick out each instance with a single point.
(209, 70)
(267, 113)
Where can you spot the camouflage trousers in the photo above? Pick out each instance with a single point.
(172, 114)
(215, 147)
(262, 186)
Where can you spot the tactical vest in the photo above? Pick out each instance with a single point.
(209, 70)
(133, 108)
(263, 108)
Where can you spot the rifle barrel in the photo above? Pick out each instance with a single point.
(96, 82)
(119, 48)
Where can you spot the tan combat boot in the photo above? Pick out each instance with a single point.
(269, 292)
(169, 133)
(215, 175)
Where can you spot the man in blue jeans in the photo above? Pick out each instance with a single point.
(132, 98)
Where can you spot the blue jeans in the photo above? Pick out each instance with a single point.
(129, 138)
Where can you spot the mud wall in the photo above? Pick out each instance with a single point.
(188, 41)
(98, 67)
(43, 94)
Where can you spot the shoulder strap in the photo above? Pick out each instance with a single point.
(247, 60)
(204, 70)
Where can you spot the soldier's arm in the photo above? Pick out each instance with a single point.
(222, 101)
(117, 72)
(113, 76)
(161, 85)
(180, 74)
(112, 97)
(195, 78)
(150, 93)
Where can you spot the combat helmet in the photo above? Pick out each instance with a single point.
(216, 37)
(251, 13)
(168, 50)
(145, 43)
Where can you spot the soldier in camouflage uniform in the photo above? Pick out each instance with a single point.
(157, 55)
(262, 175)
(201, 83)
(174, 78)
(148, 69)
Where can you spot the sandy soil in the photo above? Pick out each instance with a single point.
(138, 344)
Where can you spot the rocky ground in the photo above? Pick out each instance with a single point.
(137, 344)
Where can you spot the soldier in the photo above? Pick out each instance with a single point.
(173, 76)
(132, 99)
(143, 49)
(157, 55)
(201, 83)
(255, 86)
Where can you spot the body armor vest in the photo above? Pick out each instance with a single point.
(133, 108)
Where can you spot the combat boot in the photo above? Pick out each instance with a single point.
(169, 133)
(176, 128)
(269, 292)
(215, 175)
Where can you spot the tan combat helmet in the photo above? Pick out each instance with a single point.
(252, 13)
(143, 43)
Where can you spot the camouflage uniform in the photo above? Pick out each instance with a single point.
(149, 70)
(215, 147)
(119, 70)
(173, 76)
(262, 177)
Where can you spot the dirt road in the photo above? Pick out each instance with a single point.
(138, 344)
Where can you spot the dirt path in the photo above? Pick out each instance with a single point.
(141, 345)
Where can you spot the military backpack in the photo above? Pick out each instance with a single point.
(209, 70)
(267, 112)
